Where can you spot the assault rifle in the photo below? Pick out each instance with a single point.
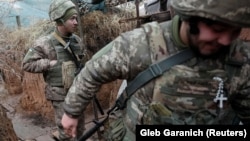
(119, 105)
(98, 124)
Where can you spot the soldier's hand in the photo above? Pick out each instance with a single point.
(52, 63)
(69, 124)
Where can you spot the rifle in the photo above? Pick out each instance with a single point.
(119, 105)
(98, 124)
(78, 69)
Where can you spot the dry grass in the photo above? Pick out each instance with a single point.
(13, 46)
(98, 28)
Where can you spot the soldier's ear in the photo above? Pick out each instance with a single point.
(59, 22)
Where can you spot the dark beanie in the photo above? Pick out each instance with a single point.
(69, 13)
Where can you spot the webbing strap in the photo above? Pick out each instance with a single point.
(66, 46)
(59, 38)
(151, 72)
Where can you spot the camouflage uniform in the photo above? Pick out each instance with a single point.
(182, 95)
(86, 6)
(37, 60)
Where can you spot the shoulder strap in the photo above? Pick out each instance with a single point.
(66, 46)
(59, 39)
(151, 72)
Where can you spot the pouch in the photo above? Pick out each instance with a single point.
(68, 73)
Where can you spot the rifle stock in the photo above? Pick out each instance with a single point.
(90, 132)
(79, 68)
(98, 124)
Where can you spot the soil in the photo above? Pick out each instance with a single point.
(30, 122)
(25, 125)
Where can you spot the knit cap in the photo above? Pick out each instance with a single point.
(69, 13)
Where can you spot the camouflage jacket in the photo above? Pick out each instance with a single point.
(37, 60)
(187, 91)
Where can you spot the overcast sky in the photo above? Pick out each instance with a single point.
(29, 11)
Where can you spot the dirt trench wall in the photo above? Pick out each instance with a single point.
(13, 83)
(33, 98)
(11, 71)
(97, 33)
(7, 132)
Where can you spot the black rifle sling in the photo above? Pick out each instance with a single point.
(142, 78)
(151, 72)
(67, 47)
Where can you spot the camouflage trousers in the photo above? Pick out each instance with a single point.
(58, 112)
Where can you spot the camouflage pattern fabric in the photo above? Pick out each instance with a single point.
(57, 105)
(231, 11)
(85, 7)
(58, 8)
(183, 95)
(37, 60)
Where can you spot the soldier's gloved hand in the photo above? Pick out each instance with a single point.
(52, 63)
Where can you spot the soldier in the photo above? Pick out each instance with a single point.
(57, 56)
(87, 6)
(211, 87)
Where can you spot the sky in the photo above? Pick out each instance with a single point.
(29, 11)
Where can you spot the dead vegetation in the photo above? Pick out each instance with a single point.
(98, 30)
